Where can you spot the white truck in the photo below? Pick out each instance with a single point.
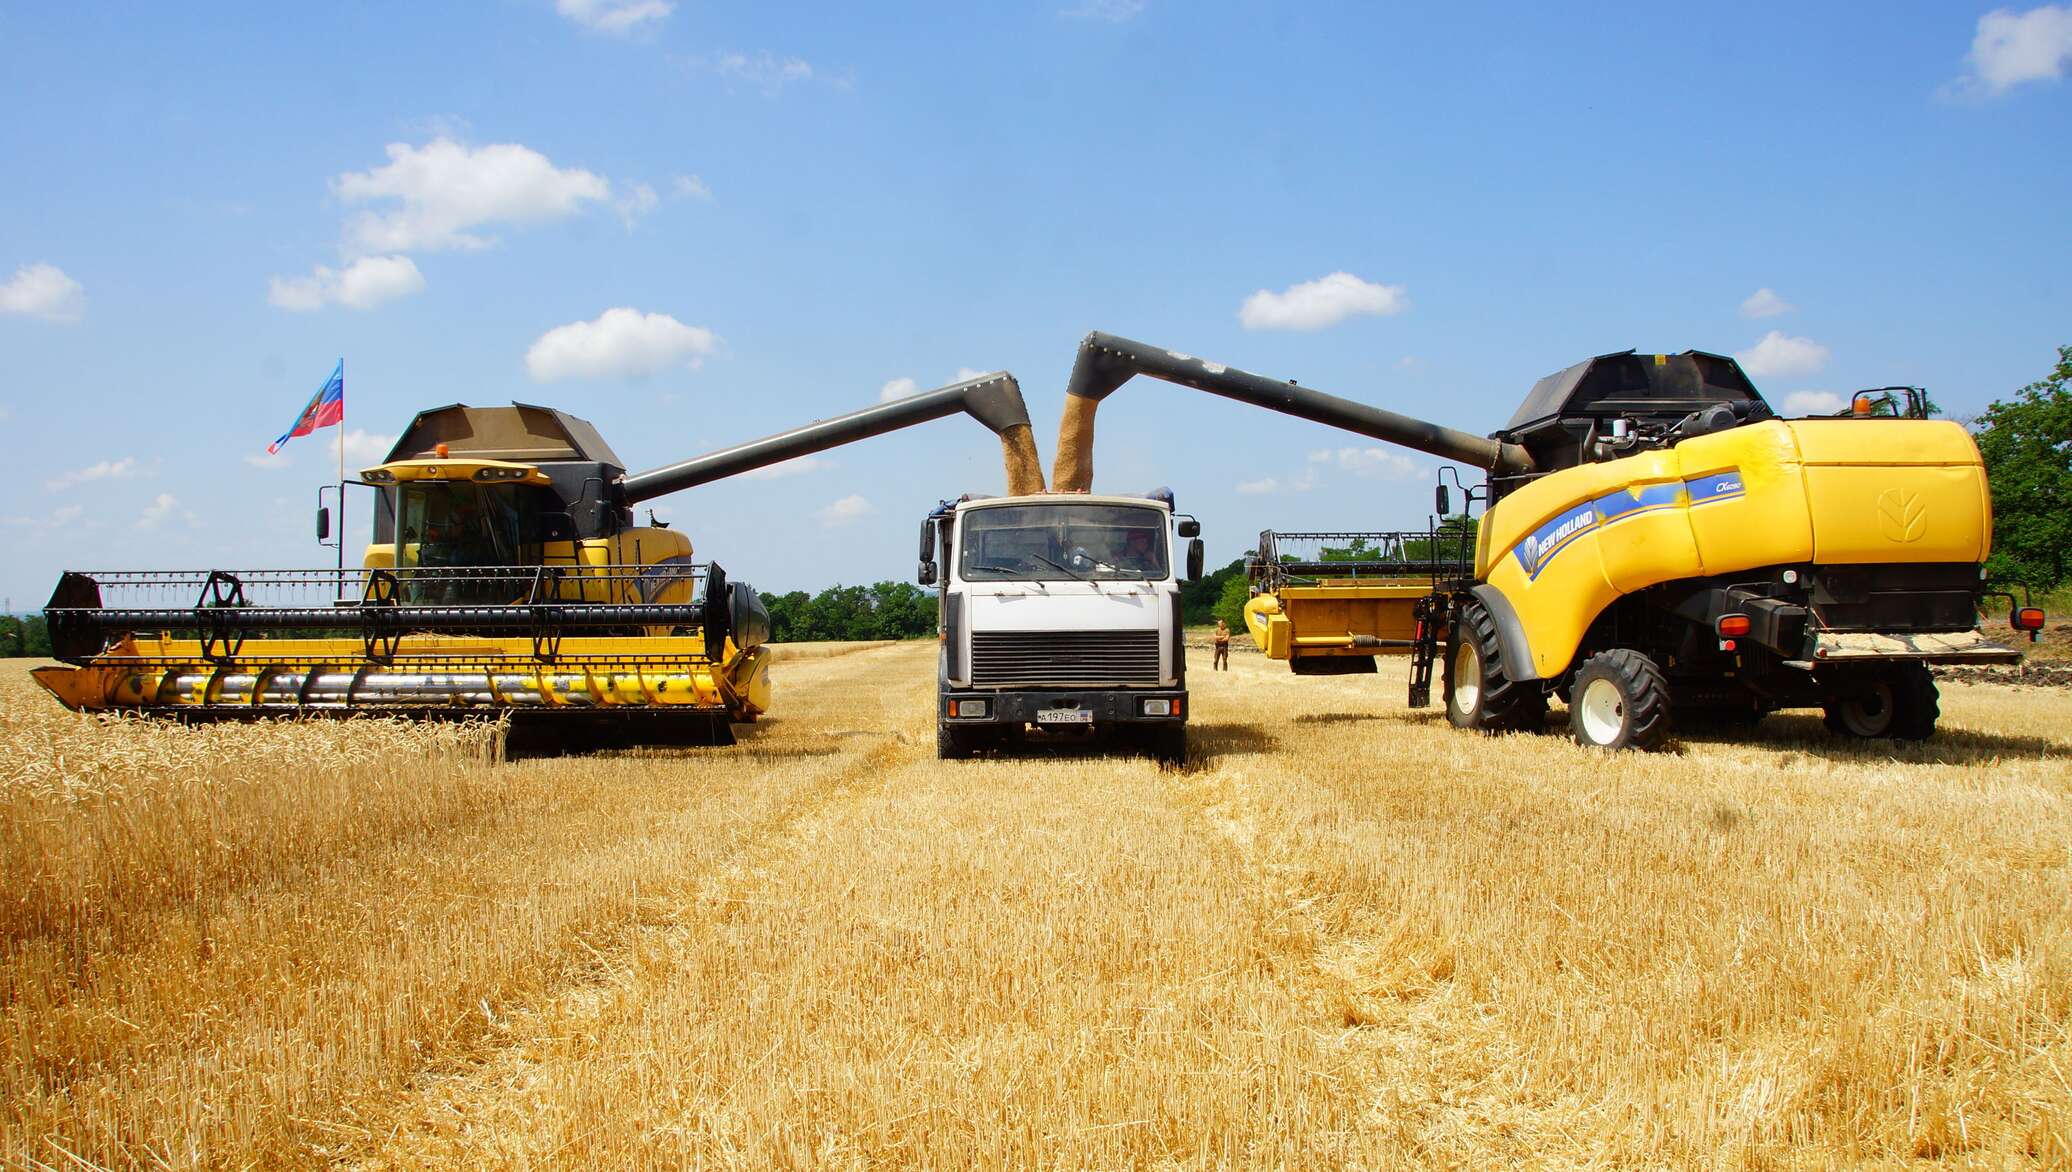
(1060, 621)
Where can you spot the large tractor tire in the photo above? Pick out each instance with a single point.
(1900, 702)
(1480, 694)
(1620, 701)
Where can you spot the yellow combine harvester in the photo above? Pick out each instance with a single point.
(506, 575)
(1656, 539)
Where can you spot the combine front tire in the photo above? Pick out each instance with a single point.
(1480, 695)
(1620, 701)
(1901, 703)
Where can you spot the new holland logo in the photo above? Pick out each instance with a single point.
(1901, 515)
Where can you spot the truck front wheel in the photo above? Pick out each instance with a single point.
(953, 743)
(1900, 702)
(1167, 743)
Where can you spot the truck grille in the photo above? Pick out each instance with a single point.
(1064, 657)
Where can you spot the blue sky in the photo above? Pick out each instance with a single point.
(696, 224)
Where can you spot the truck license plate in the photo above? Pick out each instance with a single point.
(1064, 716)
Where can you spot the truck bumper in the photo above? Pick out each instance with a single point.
(1020, 706)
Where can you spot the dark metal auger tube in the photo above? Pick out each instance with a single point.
(1106, 361)
(993, 399)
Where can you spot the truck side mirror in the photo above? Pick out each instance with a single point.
(1444, 501)
(927, 541)
(927, 575)
(1188, 527)
(323, 522)
(1194, 558)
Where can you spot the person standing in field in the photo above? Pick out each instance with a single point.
(1222, 662)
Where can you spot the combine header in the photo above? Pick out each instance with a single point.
(506, 576)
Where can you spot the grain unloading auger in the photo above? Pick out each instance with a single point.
(1655, 539)
(506, 575)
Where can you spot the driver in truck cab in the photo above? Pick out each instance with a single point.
(1137, 553)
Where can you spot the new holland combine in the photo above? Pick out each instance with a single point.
(506, 575)
(1655, 540)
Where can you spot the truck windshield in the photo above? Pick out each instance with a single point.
(1049, 542)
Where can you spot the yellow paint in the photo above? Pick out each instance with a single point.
(1813, 491)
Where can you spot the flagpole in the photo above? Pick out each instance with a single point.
(341, 477)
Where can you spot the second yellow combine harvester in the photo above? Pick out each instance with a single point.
(506, 575)
(1656, 540)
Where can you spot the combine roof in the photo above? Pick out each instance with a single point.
(519, 432)
(1635, 382)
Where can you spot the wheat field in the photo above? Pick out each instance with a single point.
(1344, 935)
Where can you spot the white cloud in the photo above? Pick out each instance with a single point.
(898, 388)
(1261, 486)
(621, 343)
(2014, 47)
(127, 468)
(798, 466)
(62, 517)
(966, 374)
(1764, 302)
(43, 290)
(1813, 403)
(363, 284)
(1370, 463)
(446, 191)
(848, 509)
(765, 70)
(163, 508)
(617, 17)
(270, 461)
(689, 187)
(1780, 355)
(362, 447)
(1113, 11)
(636, 203)
(1326, 301)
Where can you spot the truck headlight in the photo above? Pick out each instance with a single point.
(973, 708)
(1158, 707)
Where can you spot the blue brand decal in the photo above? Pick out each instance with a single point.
(1625, 503)
(1551, 538)
(1539, 548)
(1717, 487)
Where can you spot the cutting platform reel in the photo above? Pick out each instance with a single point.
(579, 657)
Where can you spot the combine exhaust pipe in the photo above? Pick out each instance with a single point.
(993, 399)
(1106, 362)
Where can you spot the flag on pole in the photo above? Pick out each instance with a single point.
(326, 408)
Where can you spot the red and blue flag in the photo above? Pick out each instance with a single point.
(326, 408)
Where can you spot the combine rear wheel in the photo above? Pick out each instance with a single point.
(1620, 701)
(1901, 702)
(1480, 695)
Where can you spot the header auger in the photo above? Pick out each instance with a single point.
(1656, 542)
(506, 575)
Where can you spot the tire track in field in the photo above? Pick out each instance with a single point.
(467, 1085)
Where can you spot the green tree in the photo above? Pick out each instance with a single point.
(1230, 604)
(1198, 598)
(2027, 445)
(24, 635)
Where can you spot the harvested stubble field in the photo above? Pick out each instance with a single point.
(1344, 935)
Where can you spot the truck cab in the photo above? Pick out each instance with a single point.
(1060, 620)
